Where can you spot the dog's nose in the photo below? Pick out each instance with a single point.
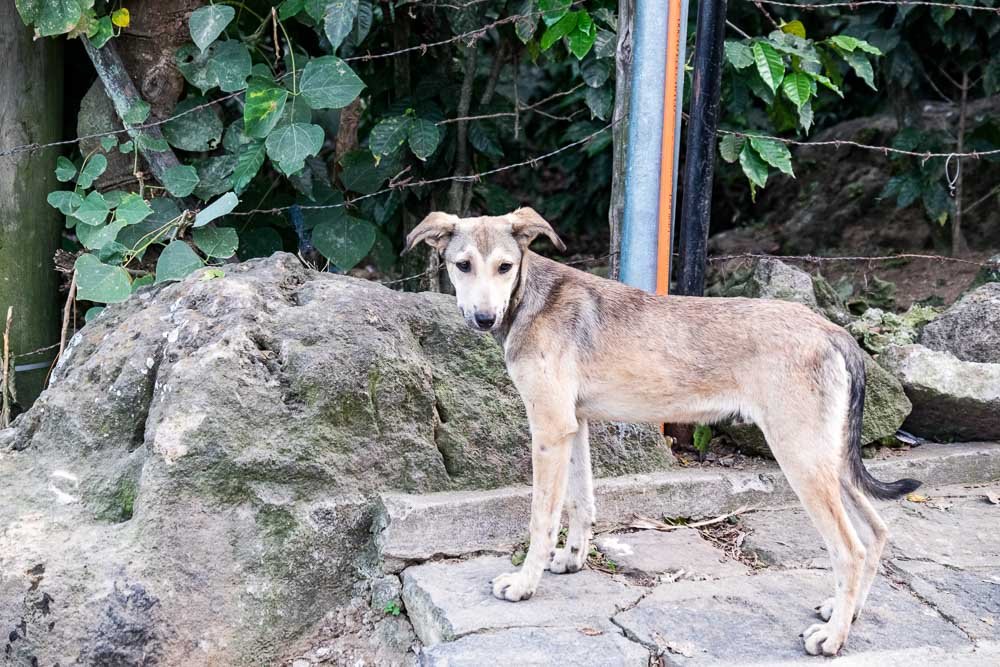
(485, 321)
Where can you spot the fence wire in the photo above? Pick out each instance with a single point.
(856, 4)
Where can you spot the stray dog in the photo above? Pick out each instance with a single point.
(579, 347)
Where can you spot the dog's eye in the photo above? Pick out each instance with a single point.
(505, 267)
(463, 266)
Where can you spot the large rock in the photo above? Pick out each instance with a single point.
(970, 329)
(198, 485)
(952, 399)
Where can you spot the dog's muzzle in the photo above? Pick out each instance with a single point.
(484, 321)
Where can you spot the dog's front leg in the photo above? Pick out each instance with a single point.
(552, 432)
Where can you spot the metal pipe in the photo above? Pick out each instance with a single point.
(699, 161)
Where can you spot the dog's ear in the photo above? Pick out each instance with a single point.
(527, 224)
(436, 230)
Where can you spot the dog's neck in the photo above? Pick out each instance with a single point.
(529, 296)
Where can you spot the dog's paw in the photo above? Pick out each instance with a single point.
(513, 586)
(567, 560)
(820, 639)
(825, 610)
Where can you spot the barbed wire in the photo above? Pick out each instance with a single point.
(925, 155)
(862, 3)
(820, 259)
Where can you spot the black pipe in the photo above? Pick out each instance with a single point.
(699, 160)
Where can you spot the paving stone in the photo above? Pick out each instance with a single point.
(653, 552)
(755, 619)
(447, 600)
(785, 539)
(969, 598)
(536, 646)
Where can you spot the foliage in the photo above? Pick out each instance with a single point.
(392, 608)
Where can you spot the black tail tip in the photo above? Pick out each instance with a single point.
(893, 490)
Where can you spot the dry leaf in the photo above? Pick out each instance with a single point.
(916, 498)
(591, 632)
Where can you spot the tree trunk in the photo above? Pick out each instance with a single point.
(31, 78)
(623, 87)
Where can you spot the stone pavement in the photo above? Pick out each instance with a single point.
(738, 594)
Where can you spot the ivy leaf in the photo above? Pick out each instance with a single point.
(102, 32)
(180, 180)
(338, 19)
(559, 30)
(730, 146)
(97, 237)
(797, 88)
(229, 65)
(137, 113)
(328, 83)
(290, 8)
(769, 64)
(553, 10)
(344, 242)
(361, 173)
(94, 209)
(132, 209)
(220, 207)
(388, 136)
(193, 65)
(290, 145)
(215, 176)
(265, 101)
(66, 201)
(176, 261)
(52, 17)
(207, 23)
(753, 166)
(249, 160)
(91, 171)
(195, 131)
(108, 143)
(98, 282)
(738, 54)
(773, 153)
(65, 170)
(220, 242)
(423, 137)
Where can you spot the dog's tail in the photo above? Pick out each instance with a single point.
(855, 361)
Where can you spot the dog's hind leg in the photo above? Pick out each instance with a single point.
(580, 507)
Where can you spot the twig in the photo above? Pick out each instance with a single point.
(67, 311)
(645, 523)
(7, 377)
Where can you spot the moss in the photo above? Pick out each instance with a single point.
(119, 505)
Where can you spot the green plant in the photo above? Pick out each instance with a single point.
(702, 438)
(392, 608)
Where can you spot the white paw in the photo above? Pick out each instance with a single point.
(567, 560)
(513, 586)
(825, 610)
(821, 639)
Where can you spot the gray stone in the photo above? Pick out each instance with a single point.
(219, 446)
(536, 646)
(969, 598)
(446, 600)
(386, 590)
(681, 552)
(758, 619)
(970, 329)
(952, 399)
(785, 539)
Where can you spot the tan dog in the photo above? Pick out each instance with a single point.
(579, 347)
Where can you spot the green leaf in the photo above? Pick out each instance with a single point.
(103, 31)
(229, 65)
(264, 103)
(112, 253)
(94, 210)
(862, 67)
(423, 138)
(180, 180)
(92, 314)
(344, 242)
(753, 166)
(65, 200)
(338, 19)
(387, 137)
(730, 146)
(132, 210)
(361, 173)
(108, 143)
(207, 23)
(196, 131)
(599, 101)
(290, 145)
(220, 242)
(554, 10)
(193, 65)
(290, 8)
(606, 44)
(581, 39)
(826, 82)
(143, 281)
(98, 282)
(702, 437)
(525, 26)
(794, 28)
(797, 88)
(97, 237)
(65, 170)
(220, 207)
(774, 153)
(769, 64)
(738, 54)
(127, 147)
(212, 274)
(484, 138)
(137, 113)
(806, 116)
(595, 72)
(328, 83)
(249, 160)
(52, 17)
(92, 169)
(849, 44)
(794, 46)
(559, 30)
(147, 142)
(176, 261)
(215, 176)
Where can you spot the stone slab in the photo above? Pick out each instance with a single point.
(653, 552)
(758, 619)
(447, 600)
(969, 598)
(785, 539)
(538, 647)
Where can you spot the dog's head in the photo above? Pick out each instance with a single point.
(483, 256)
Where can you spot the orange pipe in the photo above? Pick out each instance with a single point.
(670, 102)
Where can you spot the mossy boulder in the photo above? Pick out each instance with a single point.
(199, 482)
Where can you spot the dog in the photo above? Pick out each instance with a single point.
(579, 348)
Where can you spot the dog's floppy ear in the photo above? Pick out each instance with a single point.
(436, 229)
(527, 224)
